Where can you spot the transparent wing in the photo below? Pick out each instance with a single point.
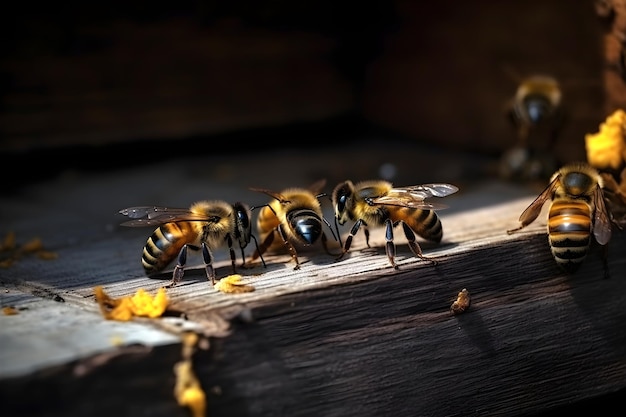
(602, 220)
(431, 190)
(413, 196)
(152, 215)
(318, 186)
(315, 188)
(270, 193)
(532, 211)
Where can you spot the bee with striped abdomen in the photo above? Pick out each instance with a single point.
(379, 203)
(294, 216)
(205, 226)
(577, 211)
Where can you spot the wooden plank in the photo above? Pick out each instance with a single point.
(531, 340)
(334, 338)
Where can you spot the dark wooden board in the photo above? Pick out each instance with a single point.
(352, 337)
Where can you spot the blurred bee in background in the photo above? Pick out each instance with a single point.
(377, 203)
(537, 116)
(205, 226)
(577, 210)
(295, 217)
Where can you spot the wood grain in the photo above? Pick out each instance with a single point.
(387, 343)
(356, 337)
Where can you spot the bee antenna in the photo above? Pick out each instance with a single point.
(329, 228)
(262, 205)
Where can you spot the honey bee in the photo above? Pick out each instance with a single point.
(378, 203)
(537, 102)
(294, 216)
(537, 115)
(577, 210)
(205, 226)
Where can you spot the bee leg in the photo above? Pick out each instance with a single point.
(258, 254)
(260, 250)
(390, 247)
(511, 231)
(233, 258)
(243, 260)
(353, 231)
(179, 270)
(290, 248)
(208, 263)
(366, 231)
(413, 245)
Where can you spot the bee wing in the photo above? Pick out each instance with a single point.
(413, 196)
(151, 215)
(532, 211)
(318, 186)
(431, 190)
(408, 202)
(602, 221)
(273, 194)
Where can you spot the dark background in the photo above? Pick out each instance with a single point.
(101, 85)
(123, 83)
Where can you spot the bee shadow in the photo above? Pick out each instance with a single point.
(403, 251)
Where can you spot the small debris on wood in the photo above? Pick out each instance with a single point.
(11, 252)
(141, 304)
(462, 302)
(232, 285)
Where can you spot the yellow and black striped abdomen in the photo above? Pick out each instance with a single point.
(267, 221)
(425, 223)
(569, 232)
(164, 245)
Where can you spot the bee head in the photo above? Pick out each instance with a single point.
(578, 183)
(537, 100)
(538, 108)
(342, 200)
(243, 227)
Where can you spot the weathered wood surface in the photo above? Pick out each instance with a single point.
(335, 338)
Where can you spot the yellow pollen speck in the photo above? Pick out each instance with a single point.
(232, 285)
(141, 304)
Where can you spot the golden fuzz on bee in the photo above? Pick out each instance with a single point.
(462, 302)
(294, 217)
(578, 211)
(378, 203)
(204, 226)
(606, 148)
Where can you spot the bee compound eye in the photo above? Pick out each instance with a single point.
(244, 220)
(341, 202)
